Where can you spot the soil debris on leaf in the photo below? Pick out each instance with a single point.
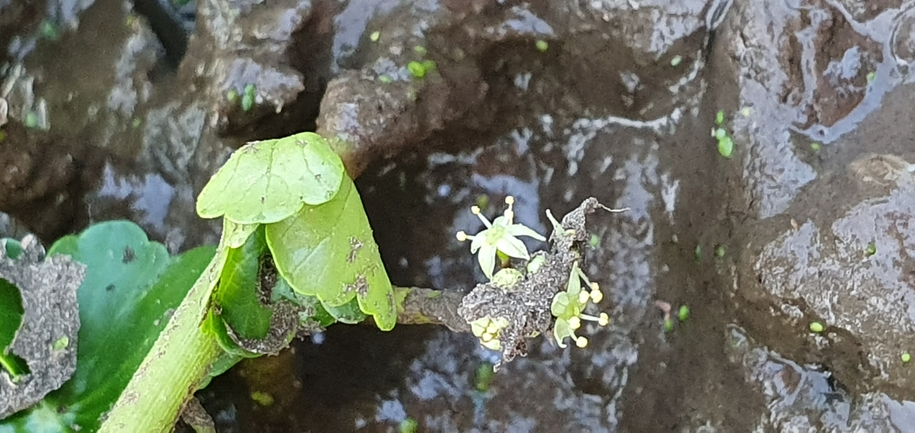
(50, 316)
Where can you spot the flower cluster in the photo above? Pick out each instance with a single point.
(488, 330)
(500, 237)
(568, 306)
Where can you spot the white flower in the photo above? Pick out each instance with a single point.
(500, 235)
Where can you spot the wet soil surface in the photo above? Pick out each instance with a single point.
(807, 220)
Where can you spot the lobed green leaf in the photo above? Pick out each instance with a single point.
(268, 181)
(328, 251)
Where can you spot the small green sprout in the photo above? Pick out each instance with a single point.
(31, 120)
(482, 201)
(676, 60)
(541, 45)
(488, 330)
(385, 79)
(483, 377)
(375, 36)
(871, 76)
(136, 123)
(499, 235)
(815, 146)
(247, 100)
(719, 117)
(719, 251)
(428, 65)
(417, 69)
(871, 249)
(49, 30)
(817, 327)
(668, 324)
(419, 49)
(262, 398)
(746, 112)
(568, 307)
(408, 425)
(683, 313)
(232, 96)
(725, 143)
(906, 357)
(61, 343)
(698, 253)
(594, 242)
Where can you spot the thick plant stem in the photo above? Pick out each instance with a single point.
(420, 306)
(174, 368)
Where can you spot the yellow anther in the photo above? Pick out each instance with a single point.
(574, 322)
(604, 319)
(509, 200)
(583, 297)
(486, 337)
(594, 286)
(581, 342)
(596, 296)
(475, 210)
(461, 236)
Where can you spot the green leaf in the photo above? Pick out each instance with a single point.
(268, 181)
(347, 313)
(10, 315)
(237, 294)
(328, 251)
(10, 319)
(214, 325)
(234, 235)
(131, 287)
(12, 246)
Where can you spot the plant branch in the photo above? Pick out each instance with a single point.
(420, 306)
(176, 365)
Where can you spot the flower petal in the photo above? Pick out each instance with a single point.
(487, 259)
(523, 230)
(501, 221)
(559, 305)
(478, 241)
(513, 247)
(574, 286)
(561, 331)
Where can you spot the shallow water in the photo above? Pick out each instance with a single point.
(605, 111)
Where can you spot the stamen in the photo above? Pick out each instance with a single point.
(583, 297)
(476, 211)
(575, 322)
(509, 213)
(603, 320)
(462, 237)
(596, 296)
(581, 342)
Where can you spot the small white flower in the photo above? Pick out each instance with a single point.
(500, 235)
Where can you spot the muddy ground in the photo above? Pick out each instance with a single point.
(119, 110)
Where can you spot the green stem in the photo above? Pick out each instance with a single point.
(174, 368)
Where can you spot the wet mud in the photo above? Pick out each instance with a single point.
(808, 220)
